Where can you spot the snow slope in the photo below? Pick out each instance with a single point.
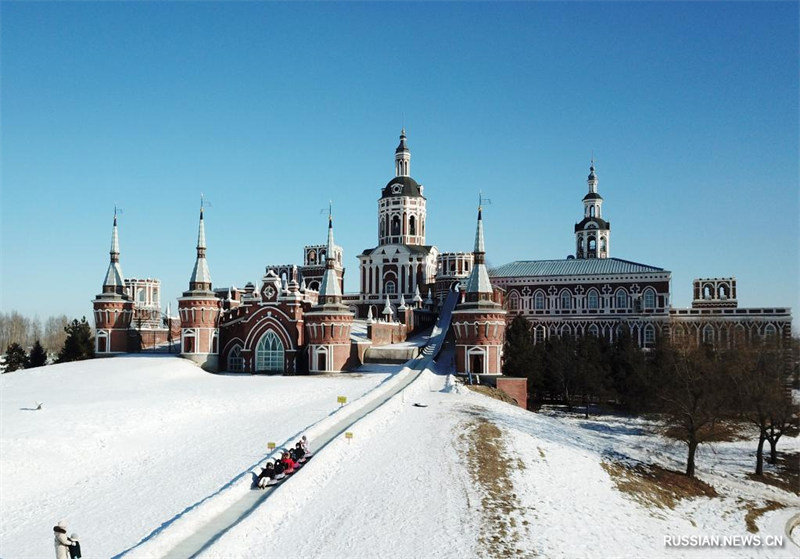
(117, 440)
(401, 488)
(123, 445)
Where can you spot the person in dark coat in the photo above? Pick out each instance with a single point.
(266, 475)
(279, 470)
(299, 453)
(75, 548)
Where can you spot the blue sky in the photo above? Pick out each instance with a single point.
(272, 109)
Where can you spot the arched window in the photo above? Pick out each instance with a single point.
(621, 298)
(390, 287)
(770, 332)
(591, 211)
(396, 225)
(602, 244)
(513, 301)
(708, 334)
(538, 300)
(592, 245)
(235, 360)
(594, 331)
(269, 353)
(102, 342)
(321, 359)
(649, 339)
(649, 298)
(539, 334)
(188, 341)
(412, 225)
(566, 300)
(593, 299)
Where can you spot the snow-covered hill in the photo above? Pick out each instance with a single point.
(127, 449)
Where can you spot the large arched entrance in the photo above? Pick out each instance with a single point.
(269, 354)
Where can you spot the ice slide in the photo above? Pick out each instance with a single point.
(203, 523)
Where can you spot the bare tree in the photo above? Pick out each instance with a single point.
(692, 394)
(758, 374)
(54, 333)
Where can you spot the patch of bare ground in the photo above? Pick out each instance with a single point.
(654, 486)
(490, 468)
(754, 513)
(495, 393)
(788, 475)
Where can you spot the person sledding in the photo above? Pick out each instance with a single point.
(306, 447)
(289, 464)
(298, 453)
(267, 476)
(279, 470)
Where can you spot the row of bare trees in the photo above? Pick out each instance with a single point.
(697, 387)
(692, 388)
(22, 330)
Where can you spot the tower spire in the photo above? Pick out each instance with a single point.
(201, 277)
(329, 291)
(479, 287)
(593, 232)
(402, 157)
(114, 281)
(592, 179)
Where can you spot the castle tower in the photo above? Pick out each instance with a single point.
(479, 322)
(402, 262)
(199, 309)
(329, 322)
(401, 208)
(113, 308)
(592, 234)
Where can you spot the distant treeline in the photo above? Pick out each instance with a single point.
(22, 330)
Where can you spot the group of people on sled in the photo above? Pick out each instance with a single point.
(291, 459)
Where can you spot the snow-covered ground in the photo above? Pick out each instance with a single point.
(123, 446)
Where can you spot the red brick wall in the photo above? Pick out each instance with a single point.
(384, 333)
(517, 388)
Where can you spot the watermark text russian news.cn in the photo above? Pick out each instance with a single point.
(749, 540)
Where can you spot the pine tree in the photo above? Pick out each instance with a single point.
(518, 360)
(38, 356)
(79, 344)
(16, 358)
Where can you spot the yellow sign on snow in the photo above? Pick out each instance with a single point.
(342, 399)
(271, 446)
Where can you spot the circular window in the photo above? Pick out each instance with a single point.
(396, 188)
